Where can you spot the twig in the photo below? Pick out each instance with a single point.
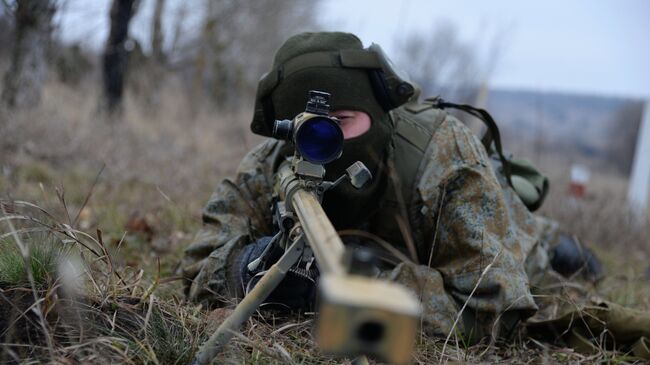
(27, 204)
(90, 276)
(496, 323)
(61, 195)
(460, 313)
(108, 257)
(258, 347)
(147, 317)
(153, 286)
(290, 325)
(119, 244)
(24, 230)
(16, 308)
(65, 231)
(164, 195)
(90, 192)
(435, 232)
(283, 352)
(171, 279)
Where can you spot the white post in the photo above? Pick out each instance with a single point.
(637, 195)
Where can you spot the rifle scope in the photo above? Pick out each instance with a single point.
(317, 137)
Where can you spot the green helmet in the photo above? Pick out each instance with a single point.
(358, 78)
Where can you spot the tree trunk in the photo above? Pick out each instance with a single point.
(116, 53)
(26, 75)
(157, 34)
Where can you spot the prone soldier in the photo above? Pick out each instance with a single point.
(440, 214)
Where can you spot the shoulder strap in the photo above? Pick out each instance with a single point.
(417, 122)
(415, 125)
(492, 135)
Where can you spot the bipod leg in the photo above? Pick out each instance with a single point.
(250, 303)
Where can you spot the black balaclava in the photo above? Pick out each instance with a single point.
(350, 89)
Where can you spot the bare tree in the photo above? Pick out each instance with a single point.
(179, 21)
(115, 59)
(157, 32)
(238, 40)
(442, 63)
(6, 29)
(26, 75)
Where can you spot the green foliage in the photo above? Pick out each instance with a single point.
(44, 257)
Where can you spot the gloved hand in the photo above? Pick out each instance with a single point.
(569, 257)
(295, 292)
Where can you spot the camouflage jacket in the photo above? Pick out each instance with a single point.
(480, 242)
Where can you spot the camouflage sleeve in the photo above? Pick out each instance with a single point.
(477, 251)
(237, 213)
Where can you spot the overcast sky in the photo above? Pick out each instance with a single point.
(587, 46)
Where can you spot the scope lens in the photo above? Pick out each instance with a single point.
(319, 140)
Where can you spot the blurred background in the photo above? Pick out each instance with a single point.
(133, 110)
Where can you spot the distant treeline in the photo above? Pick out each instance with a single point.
(597, 130)
(218, 48)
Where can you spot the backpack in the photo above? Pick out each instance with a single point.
(414, 125)
(416, 122)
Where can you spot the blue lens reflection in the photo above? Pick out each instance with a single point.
(319, 140)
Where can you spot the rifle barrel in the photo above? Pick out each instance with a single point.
(321, 235)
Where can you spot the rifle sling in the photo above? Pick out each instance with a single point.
(492, 135)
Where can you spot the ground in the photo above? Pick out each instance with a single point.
(131, 189)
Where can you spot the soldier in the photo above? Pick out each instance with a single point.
(463, 237)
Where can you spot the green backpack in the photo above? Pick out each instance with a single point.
(415, 118)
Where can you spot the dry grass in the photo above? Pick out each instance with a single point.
(602, 221)
(128, 225)
(143, 144)
(93, 311)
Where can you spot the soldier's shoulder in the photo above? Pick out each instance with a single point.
(443, 138)
(455, 143)
(263, 150)
(261, 155)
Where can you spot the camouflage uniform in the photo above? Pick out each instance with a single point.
(464, 219)
(475, 248)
